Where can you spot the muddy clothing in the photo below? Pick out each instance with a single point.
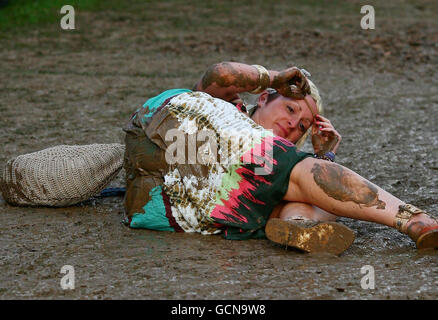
(227, 176)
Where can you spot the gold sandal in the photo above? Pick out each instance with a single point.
(424, 235)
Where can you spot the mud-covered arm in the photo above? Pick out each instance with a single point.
(225, 80)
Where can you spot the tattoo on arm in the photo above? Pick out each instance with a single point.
(341, 185)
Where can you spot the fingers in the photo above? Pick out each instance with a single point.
(306, 87)
(324, 124)
(297, 78)
(322, 118)
(329, 132)
(291, 83)
(290, 91)
(327, 127)
(324, 135)
(296, 92)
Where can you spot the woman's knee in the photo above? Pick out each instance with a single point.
(306, 211)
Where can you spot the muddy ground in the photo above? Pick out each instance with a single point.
(79, 87)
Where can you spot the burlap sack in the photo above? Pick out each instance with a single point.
(60, 176)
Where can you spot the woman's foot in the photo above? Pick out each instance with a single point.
(310, 236)
(418, 225)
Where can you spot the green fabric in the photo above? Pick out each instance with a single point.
(155, 213)
(155, 102)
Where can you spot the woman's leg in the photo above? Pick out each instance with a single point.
(341, 191)
(301, 210)
(308, 228)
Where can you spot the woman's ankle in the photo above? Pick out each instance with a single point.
(413, 221)
(420, 224)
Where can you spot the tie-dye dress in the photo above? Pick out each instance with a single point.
(195, 163)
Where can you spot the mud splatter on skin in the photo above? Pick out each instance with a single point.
(341, 185)
(323, 144)
(414, 229)
(284, 79)
(225, 75)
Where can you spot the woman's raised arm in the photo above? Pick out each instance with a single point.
(225, 80)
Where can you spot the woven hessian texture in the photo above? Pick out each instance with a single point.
(60, 176)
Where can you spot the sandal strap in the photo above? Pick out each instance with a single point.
(404, 214)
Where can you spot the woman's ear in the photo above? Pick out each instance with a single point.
(263, 98)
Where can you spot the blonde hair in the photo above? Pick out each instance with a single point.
(314, 93)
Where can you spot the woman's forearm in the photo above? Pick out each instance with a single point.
(226, 79)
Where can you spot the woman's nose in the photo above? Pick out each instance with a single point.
(292, 123)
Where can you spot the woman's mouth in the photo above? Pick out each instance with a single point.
(283, 131)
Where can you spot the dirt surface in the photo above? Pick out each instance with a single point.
(79, 87)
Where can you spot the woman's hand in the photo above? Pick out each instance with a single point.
(291, 83)
(325, 138)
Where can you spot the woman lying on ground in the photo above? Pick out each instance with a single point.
(199, 161)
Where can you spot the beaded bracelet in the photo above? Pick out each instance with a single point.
(329, 156)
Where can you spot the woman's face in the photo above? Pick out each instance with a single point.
(286, 117)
